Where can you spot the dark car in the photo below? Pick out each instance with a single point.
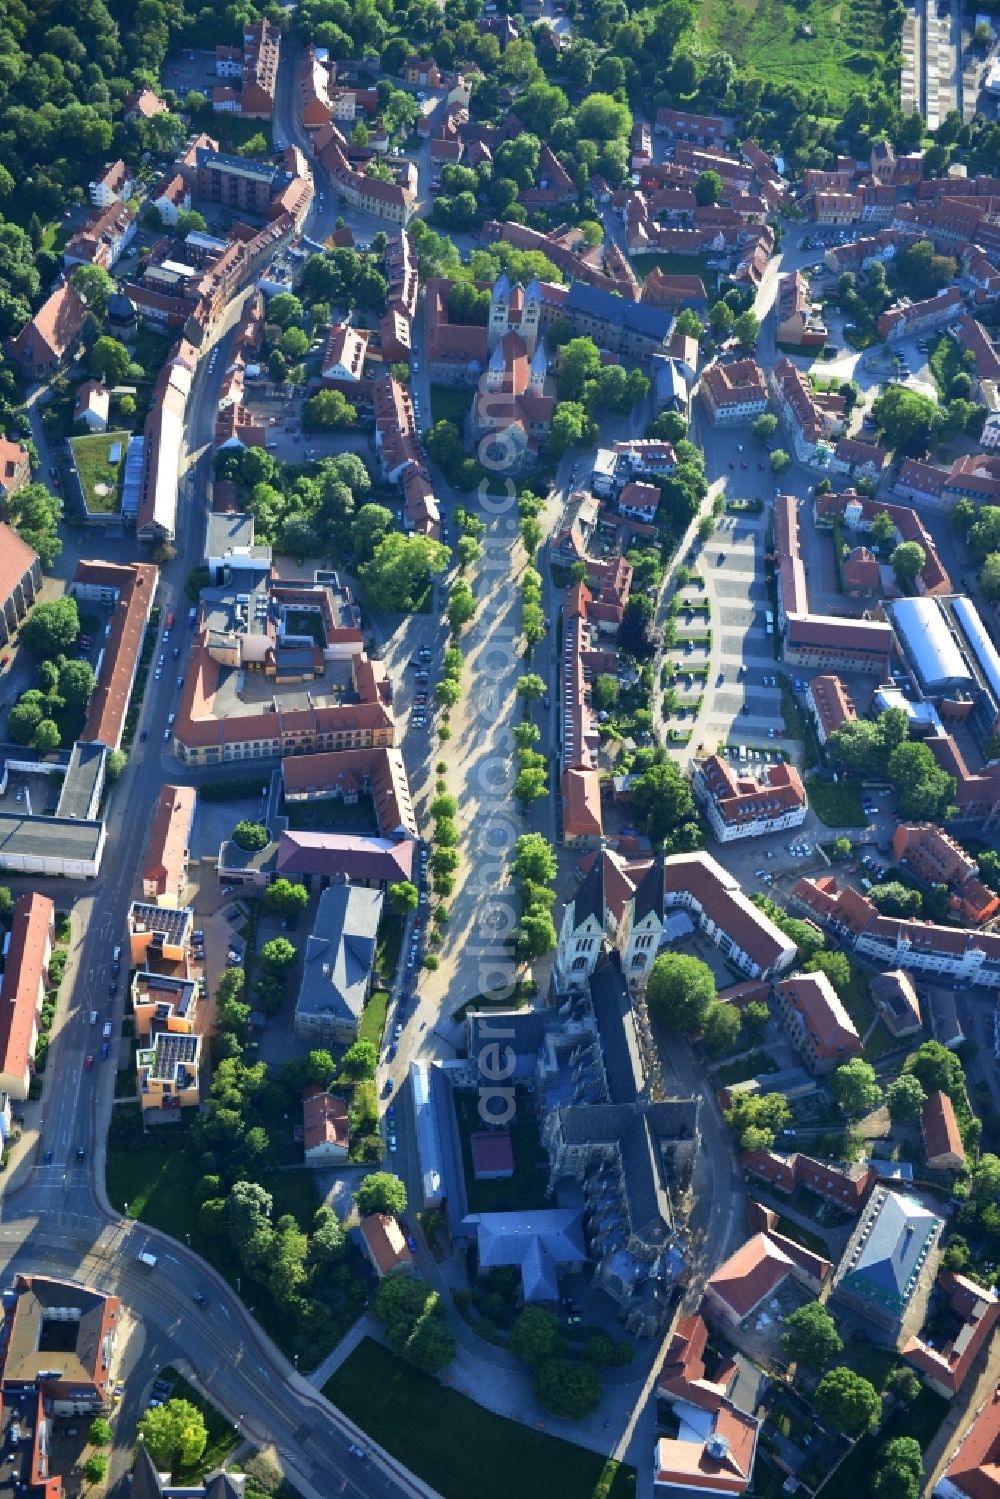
(81, 1154)
(47, 1158)
(200, 1300)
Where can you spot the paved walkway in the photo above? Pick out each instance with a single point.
(364, 1327)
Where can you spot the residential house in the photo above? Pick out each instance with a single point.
(907, 319)
(815, 1018)
(935, 858)
(20, 580)
(829, 700)
(741, 805)
(93, 405)
(112, 185)
(164, 872)
(846, 1187)
(15, 468)
(384, 1244)
(346, 348)
(974, 1470)
(861, 574)
(325, 1131)
(797, 314)
(22, 990)
(897, 1003)
(754, 1273)
(84, 1323)
(168, 1072)
(974, 1312)
(942, 1138)
(735, 392)
(338, 964)
(44, 342)
(422, 72)
(715, 1446)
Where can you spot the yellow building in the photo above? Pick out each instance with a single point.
(168, 1072)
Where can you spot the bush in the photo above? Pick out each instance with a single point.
(251, 836)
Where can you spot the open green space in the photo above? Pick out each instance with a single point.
(151, 350)
(830, 51)
(804, 1236)
(154, 1177)
(222, 1437)
(450, 403)
(919, 1418)
(390, 938)
(946, 361)
(373, 1018)
(357, 817)
(456, 1446)
(836, 803)
(856, 997)
(673, 265)
(100, 477)
(525, 1189)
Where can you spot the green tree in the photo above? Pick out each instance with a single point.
(531, 687)
(534, 935)
(604, 693)
(404, 897)
(278, 954)
(46, 737)
(360, 1060)
(568, 1389)
(401, 569)
(780, 461)
(680, 990)
(99, 1432)
(664, 807)
(24, 718)
(570, 427)
(95, 286)
(76, 682)
(847, 1400)
(755, 1017)
(327, 411)
(923, 789)
(461, 606)
(534, 859)
(284, 310)
(251, 836)
(758, 1119)
(295, 346)
(721, 319)
(937, 1069)
(534, 1336)
(905, 1098)
(286, 897)
(380, 1192)
(855, 1087)
(708, 188)
(688, 325)
(908, 421)
(52, 628)
(907, 562)
(579, 361)
(765, 425)
(842, 848)
(110, 360)
(898, 1469)
(720, 1028)
(175, 1434)
(810, 1336)
(896, 899)
(747, 330)
(96, 1467)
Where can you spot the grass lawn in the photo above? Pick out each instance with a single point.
(157, 1176)
(450, 403)
(390, 936)
(334, 813)
(222, 1437)
(98, 473)
(857, 1000)
(920, 1419)
(803, 1236)
(526, 1188)
(837, 804)
(752, 1065)
(673, 265)
(830, 50)
(406, 1412)
(373, 1018)
(946, 361)
(151, 350)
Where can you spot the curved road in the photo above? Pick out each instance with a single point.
(55, 1218)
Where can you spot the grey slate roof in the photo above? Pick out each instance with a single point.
(538, 1241)
(340, 952)
(616, 1024)
(637, 317)
(893, 1252)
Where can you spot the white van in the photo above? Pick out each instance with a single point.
(106, 1033)
(170, 720)
(116, 956)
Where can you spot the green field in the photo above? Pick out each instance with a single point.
(98, 473)
(838, 805)
(457, 1447)
(674, 265)
(830, 51)
(450, 403)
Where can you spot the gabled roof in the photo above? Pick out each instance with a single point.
(756, 1269)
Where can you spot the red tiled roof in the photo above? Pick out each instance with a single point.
(16, 558)
(940, 1128)
(23, 978)
(975, 1468)
(324, 1119)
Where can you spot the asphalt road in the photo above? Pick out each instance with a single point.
(55, 1219)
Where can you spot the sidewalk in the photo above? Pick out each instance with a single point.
(364, 1327)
